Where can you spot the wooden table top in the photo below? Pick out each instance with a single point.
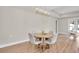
(43, 35)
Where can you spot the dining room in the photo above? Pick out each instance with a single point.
(39, 29)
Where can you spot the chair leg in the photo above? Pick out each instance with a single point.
(47, 46)
(38, 45)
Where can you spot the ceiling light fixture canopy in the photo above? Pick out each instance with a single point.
(41, 11)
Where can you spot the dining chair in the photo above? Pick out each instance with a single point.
(51, 41)
(35, 43)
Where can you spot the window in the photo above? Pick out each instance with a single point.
(71, 27)
(77, 26)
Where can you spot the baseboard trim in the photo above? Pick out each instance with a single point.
(12, 43)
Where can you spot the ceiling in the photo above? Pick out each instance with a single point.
(63, 11)
(59, 10)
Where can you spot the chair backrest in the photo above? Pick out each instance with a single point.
(52, 40)
(31, 38)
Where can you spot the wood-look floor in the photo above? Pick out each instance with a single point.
(63, 45)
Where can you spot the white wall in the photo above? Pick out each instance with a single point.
(62, 26)
(15, 22)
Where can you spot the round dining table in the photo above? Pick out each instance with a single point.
(42, 37)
